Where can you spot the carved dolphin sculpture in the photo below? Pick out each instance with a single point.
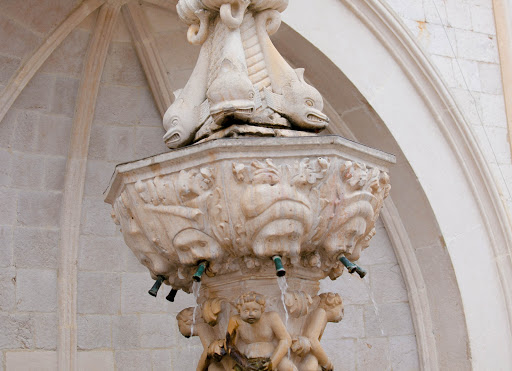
(300, 103)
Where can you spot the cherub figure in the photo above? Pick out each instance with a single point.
(330, 309)
(213, 349)
(252, 336)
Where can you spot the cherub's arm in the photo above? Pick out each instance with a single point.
(282, 336)
(318, 321)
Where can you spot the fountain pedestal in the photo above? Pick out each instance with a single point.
(233, 205)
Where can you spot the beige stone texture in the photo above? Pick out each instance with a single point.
(30, 361)
(98, 360)
(94, 332)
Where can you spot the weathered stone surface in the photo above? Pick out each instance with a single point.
(373, 354)
(7, 289)
(31, 361)
(122, 66)
(5, 167)
(134, 294)
(352, 325)
(20, 41)
(404, 355)
(69, 56)
(126, 332)
(36, 290)
(66, 91)
(35, 95)
(388, 320)
(8, 210)
(6, 252)
(103, 360)
(35, 247)
(27, 171)
(157, 330)
(387, 284)
(94, 331)
(8, 65)
(98, 293)
(45, 331)
(134, 360)
(98, 174)
(39, 209)
(96, 218)
(100, 253)
(16, 331)
(161, 360)
(55, 170)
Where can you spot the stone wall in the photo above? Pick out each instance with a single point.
(460, 38)
(119, 325)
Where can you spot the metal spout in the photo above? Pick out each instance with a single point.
(172, 295)
(360, 271)
(200, 271)
(280, 272)
(154, 290)
(351, 267)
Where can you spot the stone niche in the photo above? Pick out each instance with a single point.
(243, 211)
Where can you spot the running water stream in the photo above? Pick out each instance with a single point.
(283, 286)
(196, 288)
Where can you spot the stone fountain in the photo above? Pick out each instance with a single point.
(255, 208)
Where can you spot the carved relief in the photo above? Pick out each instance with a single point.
(239, 75)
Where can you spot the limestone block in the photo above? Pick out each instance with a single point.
(483, 19)
(35, 247)
(458, 14)
(16, 331)
(169, 42)
(45, 331)
(129, 262)
(149, 141)
(29, 13)
(27, 171)
(98, 293)
(466, 74)
(8, 209)
(352, 289)
(6, 252)
(40, 209)
(24, 137)
(64, 98)
(36, 290)
(181, 356)
(470, 103)
(161, 360)
(98, 174)
(373, 354)
(53, 135)
(8, 65)
(157, 330)
(94, 331)
(122, 66)
(352, 325)
(387, 284)
(388, 320)
(500, 152)
(7, 128)
(103, 360)
(493, 110)
(476, 46)
(126, 331)
(135, 360)
(100, 253)
(54, 173)
(2, 361)
(381, 251)
(134, 295)
(31, 361)
(35, 95)
(342, 353)
(5, 167)
(490, 76)
(438, 40)
(112, 143)
(445, 67)
(7, 289)
(96, 218)
(20, 41)
(435, 11)
(404, 355)
(69, 56)
(408, 9)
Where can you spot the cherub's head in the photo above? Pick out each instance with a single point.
(333, 306)
(250, 306)
(185, 320)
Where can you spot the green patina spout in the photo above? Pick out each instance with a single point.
(353, 267)
(154, 290)
(280, 271)
(172, 295)
(200, 271)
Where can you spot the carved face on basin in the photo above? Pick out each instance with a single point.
(279, 237)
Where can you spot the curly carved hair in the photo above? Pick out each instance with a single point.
(250, 297)
(329, 300)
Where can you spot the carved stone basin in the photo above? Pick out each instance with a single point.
(237, 203)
